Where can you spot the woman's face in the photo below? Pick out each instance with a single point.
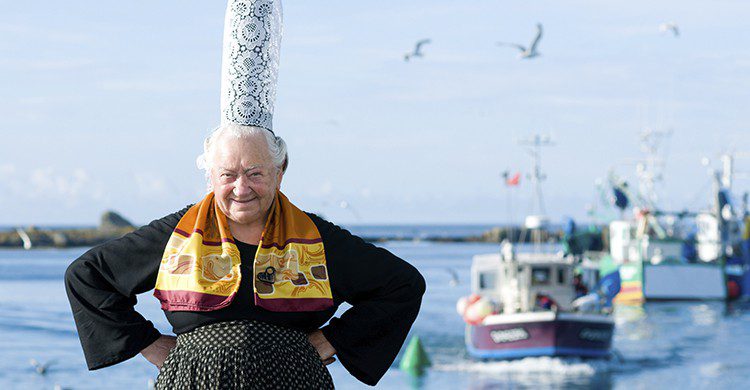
(244, 178)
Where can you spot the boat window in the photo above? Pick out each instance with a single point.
(487, 280)
(540, 275)
(561, 276)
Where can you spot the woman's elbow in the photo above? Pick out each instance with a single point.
(422, 284)
(418, 284)
(73, 272)
(77, 271)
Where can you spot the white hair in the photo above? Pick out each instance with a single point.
(276, 146)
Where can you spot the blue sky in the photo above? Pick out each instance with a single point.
(104, 105)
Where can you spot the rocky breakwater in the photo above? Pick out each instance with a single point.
(514, 234)
(518, 234)
(111, 226)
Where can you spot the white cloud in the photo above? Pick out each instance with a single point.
(49, 184)
(7, 169)
(323, 191)
(150, 185)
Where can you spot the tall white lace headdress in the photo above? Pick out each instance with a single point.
(250, 62)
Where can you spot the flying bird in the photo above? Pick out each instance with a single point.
(346, 205)
(670, 26)
(40, 368)
(417, 50)
(454, 277)
(529, 52)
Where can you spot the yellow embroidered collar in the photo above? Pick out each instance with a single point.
(200, 268)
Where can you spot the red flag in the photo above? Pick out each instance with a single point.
(513, 180)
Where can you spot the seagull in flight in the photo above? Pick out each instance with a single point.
(417, 50)
(41, 368)
(454, 277)
(670, 26)
(529, 52)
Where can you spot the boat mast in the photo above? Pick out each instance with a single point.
(534, 148)
(537, 220)
(722, 209)
(727, 173)
(650, 169)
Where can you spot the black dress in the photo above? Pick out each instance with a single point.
(385, 293)
(243, 355)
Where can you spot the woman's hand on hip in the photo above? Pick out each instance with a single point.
(157, 352)
(324, 348)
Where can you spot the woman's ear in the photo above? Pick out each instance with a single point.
(281, 172)
(279, 177)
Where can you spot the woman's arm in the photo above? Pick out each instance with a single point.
(102, 285)
(157, 352)
(385, 293)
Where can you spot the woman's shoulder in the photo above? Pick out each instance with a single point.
(336, 241)
(317, 219)
(332, 233)
(325, 228)
(177, 214)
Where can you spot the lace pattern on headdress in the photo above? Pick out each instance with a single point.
(250, 68)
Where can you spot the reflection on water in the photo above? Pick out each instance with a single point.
(703, 314)
(660, 345)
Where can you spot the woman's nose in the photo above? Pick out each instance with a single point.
(242, 185)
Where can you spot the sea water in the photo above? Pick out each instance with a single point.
(659, 346)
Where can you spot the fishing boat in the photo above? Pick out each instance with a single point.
(681, 255)
(535, 313)
(524, 303)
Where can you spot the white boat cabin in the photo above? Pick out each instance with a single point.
(513, 280)
(628, 242)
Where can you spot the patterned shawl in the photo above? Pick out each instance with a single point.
(200, 268)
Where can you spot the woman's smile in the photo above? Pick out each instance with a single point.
(243, 201)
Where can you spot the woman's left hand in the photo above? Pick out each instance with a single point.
(324, 348)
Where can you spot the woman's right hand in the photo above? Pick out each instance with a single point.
(157, 352)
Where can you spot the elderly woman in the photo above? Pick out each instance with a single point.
(248, 312)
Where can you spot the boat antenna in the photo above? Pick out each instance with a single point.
(651, 169)
(537, 220)
(534, 148)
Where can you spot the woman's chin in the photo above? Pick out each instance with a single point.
(244, 217)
